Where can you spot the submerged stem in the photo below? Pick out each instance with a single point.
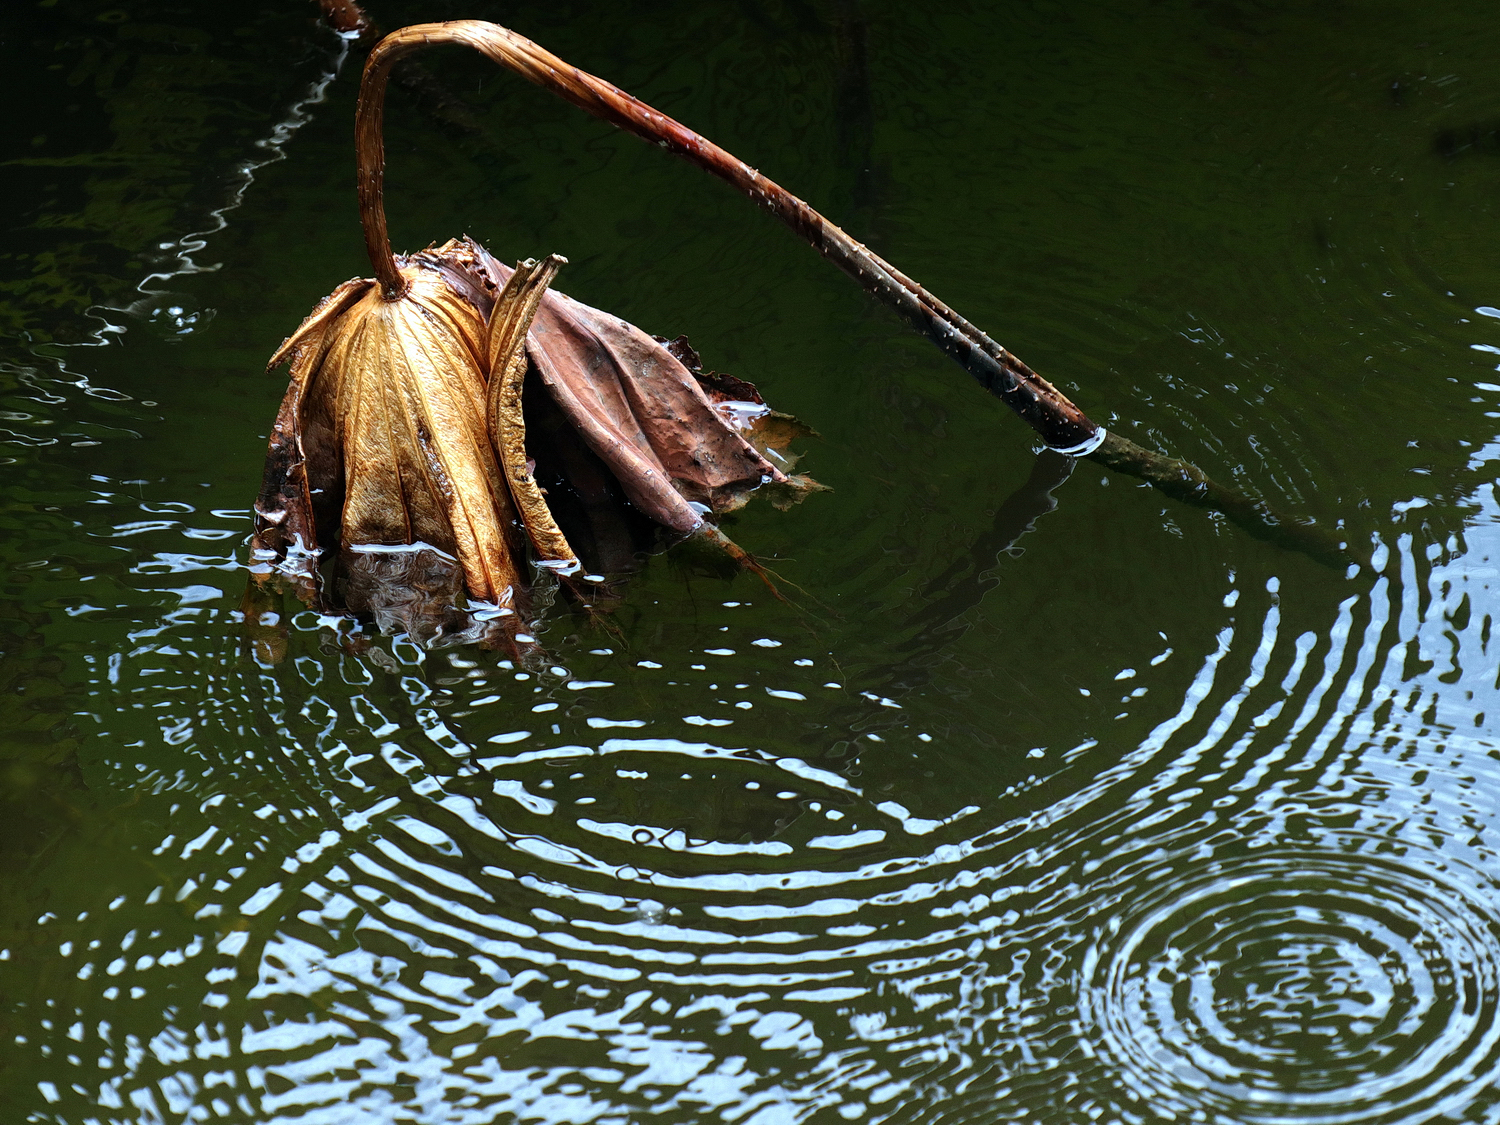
(1045, 408)
(1060, 423)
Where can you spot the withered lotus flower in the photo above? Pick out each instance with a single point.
(382, 449)
(401, 451)
(402, 440)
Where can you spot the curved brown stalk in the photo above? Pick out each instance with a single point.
(1061, 424)
(1046, 409)
(515, 308)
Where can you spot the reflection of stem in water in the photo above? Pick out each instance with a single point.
(181, 263)
(273, 146)
(934, 628)
(955, 596)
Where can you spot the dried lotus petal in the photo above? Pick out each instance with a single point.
(381, 446)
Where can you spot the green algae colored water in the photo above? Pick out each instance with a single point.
(1047, 801)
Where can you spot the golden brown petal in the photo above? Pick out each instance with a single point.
(509, 322)
(286, 524)
(381, 447)
(312, 331)
(418, 464)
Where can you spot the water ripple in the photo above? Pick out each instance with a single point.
(1058, 820)
(1332, 986)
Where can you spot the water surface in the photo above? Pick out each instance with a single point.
(1047, 800)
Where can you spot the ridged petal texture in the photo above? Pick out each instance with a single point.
(406, 382)
(381, 447)
(636, 405)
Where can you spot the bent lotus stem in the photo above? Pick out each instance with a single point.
(1061, 424)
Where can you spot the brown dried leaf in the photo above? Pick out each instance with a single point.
(640, 410)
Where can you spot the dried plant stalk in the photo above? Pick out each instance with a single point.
(1060, 423)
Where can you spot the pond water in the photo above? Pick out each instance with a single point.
(1044, 799)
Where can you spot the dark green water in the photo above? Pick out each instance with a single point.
(1131, 819)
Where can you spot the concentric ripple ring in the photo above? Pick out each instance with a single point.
(1323, 987)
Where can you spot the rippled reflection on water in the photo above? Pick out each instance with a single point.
(437, 887)
(1050, 804)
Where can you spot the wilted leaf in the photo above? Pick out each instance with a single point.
(637, 406)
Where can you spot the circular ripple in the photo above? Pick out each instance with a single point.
(1300, 987)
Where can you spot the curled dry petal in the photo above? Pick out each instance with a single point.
(652, 417)
(510, 320)
(286, 532)
(640, 410)
(381, 443)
